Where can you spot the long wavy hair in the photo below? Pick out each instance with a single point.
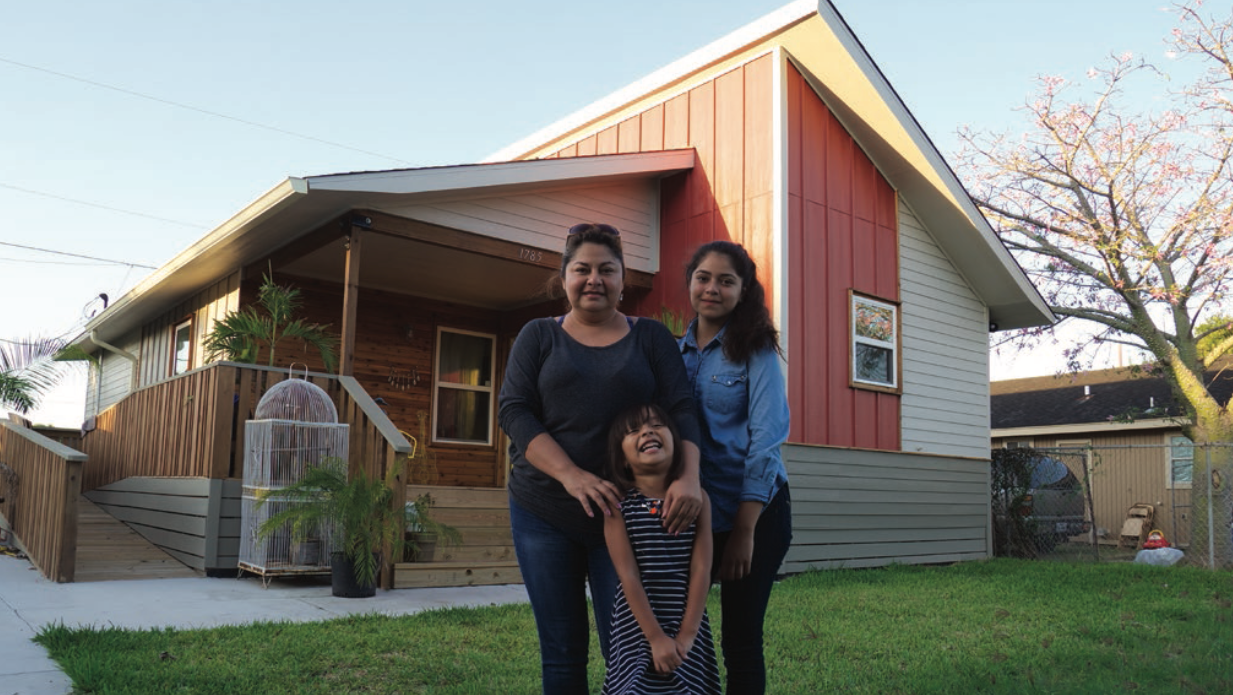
(750, 329)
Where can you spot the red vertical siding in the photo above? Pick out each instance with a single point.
(629, 136)
(653, 129)
(842, 235)
(842, 229)
(728, 195)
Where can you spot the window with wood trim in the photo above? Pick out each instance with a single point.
(463, 388)
(874, 343)
(1179, 460)
(182, 347)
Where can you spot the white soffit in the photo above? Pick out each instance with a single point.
(486, 179)
(297, 206)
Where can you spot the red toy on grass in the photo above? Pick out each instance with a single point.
(1155, 539)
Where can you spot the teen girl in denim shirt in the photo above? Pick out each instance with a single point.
(731, 352)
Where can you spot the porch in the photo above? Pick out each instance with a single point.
(167, 461)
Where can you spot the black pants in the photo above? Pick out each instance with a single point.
(743, 602)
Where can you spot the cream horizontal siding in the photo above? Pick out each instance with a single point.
(858, 508)
(115, 373)
(204, 307)
(539, 220)
(945, 403)
(195, 520)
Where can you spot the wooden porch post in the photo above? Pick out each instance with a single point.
(351, 299)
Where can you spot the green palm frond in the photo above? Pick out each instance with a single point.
(15, 393)
(238, 336)
(242, 335)
(360, 509)
(29, 371)
(316, 336)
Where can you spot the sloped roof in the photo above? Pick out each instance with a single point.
(1096, 397)
(822, 46)
(297, 206)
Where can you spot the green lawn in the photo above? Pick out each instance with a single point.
(1003, 626)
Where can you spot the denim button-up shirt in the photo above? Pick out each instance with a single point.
(743, 410)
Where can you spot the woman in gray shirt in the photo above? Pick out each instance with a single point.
(567, 378)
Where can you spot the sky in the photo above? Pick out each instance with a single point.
(129, 129)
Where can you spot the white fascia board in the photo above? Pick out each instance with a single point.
(478, 177)
(274, 200)
(959, 195)
(1088, 428)
(713, 52)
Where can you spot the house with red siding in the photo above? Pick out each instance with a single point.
(783, 136)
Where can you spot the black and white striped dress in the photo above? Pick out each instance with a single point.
(663, 563)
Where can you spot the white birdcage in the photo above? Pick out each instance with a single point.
(296, 427)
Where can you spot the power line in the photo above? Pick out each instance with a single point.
(207, 112)
(100, 206)
(5, 259)
(76, 255)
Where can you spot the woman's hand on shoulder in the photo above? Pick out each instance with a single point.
(590, 489)
(683, 503)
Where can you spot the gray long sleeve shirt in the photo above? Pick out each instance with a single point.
(573, 392)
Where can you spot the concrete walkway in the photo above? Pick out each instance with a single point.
(28, 602)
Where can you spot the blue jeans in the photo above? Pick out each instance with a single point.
(743, 602)
(557, 564)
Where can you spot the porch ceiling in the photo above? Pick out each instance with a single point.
(427, 270)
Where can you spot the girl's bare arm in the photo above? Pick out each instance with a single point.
(699, 580)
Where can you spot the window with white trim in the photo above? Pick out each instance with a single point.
(1017, 444)
(463, 389)
(874, 328)
(182, 347)
(1180, 460)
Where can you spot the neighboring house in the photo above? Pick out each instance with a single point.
(1125, 426)
(883, 278)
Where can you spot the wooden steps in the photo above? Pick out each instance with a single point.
(486, 554)
(108, 550)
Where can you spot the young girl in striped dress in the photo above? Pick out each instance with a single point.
(661, 639)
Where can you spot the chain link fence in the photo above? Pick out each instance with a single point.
(1102, 503)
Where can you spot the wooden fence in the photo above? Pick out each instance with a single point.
(40, 498)
(193, 425)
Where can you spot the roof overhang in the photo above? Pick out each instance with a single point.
(1088, 429)
(298, 206)
(819, 42)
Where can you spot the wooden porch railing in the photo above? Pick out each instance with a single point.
(193, 425)
(40, 498)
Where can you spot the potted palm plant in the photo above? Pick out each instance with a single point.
(241, 335)
(424, 532)
(360, 512)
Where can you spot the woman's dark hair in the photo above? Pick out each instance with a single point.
(750, 329)
(592, 233)
(631, 419)
(579, 234)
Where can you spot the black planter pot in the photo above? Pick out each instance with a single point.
(342, 578)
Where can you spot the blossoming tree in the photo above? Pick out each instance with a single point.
(1124, 219)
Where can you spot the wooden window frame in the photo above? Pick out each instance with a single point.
(186, 322)
(490, 389)
(1170, 482)
(896, 387)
